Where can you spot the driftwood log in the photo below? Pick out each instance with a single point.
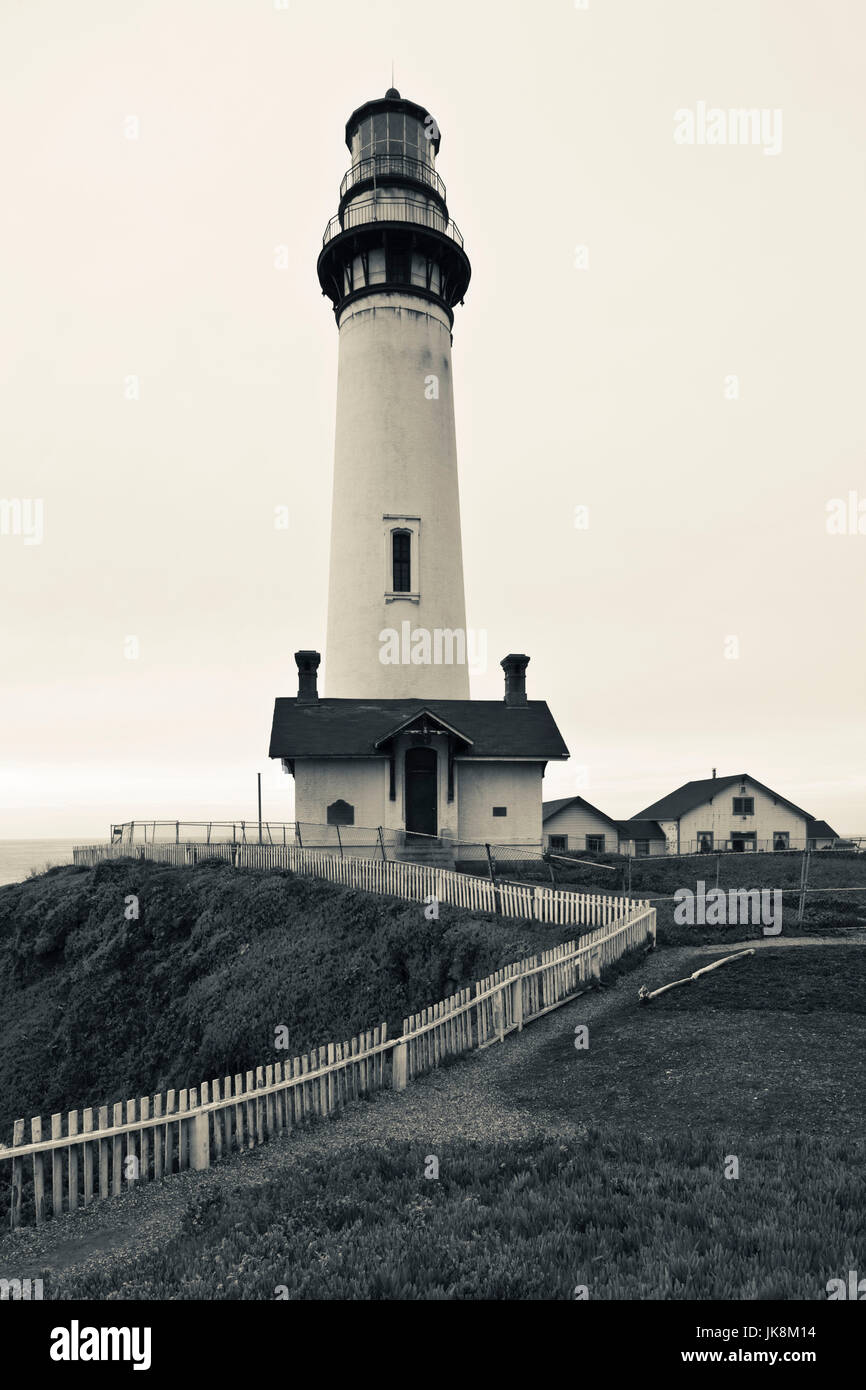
(645, 995)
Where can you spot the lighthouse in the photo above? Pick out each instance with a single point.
(395, 744)
(394, 267)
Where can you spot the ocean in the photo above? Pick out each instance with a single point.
(18, 857)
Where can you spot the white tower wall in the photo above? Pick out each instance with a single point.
(395, 467)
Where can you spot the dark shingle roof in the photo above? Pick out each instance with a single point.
(550, 808)
(693, 794)
(820, 829)
(631, 829)
(641, 830)
(354, 728)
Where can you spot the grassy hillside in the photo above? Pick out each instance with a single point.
(97, 1008)
(628, 1191)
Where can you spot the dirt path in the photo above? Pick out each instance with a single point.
(488, 1096)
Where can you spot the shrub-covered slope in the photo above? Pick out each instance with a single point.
(96, 1008)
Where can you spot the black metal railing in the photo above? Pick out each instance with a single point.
(381, 166)
(385, 209)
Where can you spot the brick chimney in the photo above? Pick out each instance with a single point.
(514, 667)
(308, 665)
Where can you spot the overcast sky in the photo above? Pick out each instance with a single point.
(589, 379)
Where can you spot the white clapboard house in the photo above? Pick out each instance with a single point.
(735, 813)
(571, 823)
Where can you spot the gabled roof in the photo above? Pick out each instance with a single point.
(631, 829)
(693, 794)
(550, 808)
(821, 830)
(356, 728)
(422, 714)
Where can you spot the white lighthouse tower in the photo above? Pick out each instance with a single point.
(396, 752)
(394, 267)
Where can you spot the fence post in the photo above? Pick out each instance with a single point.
(517, 1007)
(497, 903)
(399, 1067)
(201, 1134)
(499, 1015)
(804, 880)
(382, 843)
(38, 1171)
(17, 1176)
(298, 834)
(339, 840)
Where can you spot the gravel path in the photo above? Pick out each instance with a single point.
(478, 1098)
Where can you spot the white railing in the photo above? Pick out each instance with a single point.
(392, 877)
(102, 1153)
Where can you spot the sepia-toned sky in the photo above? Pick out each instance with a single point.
(595, 378)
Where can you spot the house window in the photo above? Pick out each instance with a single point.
(705, 841)
(557, 842)
(595, 844)
(401, 561)
(641, 849)
(500, 810)
(781, 839)
(744, 805)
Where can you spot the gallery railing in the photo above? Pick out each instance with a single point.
(368, 210)
(392, 166)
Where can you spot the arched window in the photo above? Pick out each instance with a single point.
(401, 554)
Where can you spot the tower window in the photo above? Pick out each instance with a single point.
(401, 554)
(399, 267)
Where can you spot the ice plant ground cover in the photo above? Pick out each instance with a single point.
(96, 1008)
(611, 1177)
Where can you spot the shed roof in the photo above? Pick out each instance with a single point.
(821, 830)
(641, 830)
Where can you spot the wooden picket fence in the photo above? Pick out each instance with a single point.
(99, 1153)
(392, 877)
